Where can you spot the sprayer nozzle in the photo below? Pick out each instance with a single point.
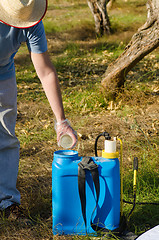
(106, 135)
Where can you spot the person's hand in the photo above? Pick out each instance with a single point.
(64, 127)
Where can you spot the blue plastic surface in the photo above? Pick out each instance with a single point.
(66, 206)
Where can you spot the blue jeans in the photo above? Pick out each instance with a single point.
(9, 144)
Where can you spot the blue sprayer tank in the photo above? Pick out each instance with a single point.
(66, 205)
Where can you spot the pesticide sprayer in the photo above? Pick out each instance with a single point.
(87, 192)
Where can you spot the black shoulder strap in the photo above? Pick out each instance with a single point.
(87, 163)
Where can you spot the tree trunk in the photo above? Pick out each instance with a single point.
(142, 43)
(99, 11)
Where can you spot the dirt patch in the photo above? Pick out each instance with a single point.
(143, 126)
(137, 127)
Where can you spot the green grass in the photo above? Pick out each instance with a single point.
(81, 60)
(147, 192)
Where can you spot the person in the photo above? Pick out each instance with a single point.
(21, 21)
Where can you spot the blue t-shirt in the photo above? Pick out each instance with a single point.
(10, 41)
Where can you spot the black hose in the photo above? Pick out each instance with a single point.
(104, 134)
(141, 203)
(96, 141)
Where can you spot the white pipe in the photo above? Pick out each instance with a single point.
(110, 146)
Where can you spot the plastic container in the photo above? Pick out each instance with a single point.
(66, 141)
(66, 205)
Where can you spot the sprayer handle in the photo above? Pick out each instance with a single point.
(135, 163)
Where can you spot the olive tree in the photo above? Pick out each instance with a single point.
(144, 41)
(99, 11)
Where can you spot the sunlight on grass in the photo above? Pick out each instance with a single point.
(85, 99)
(126, 22)
(66, 15)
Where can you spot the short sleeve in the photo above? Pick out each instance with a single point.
(36, 38)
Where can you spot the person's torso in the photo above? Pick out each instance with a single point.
(10, 41)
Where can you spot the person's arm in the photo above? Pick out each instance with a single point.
(48, 77)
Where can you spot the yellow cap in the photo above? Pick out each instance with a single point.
(110, 155)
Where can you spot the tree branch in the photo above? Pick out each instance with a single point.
(142, 43)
